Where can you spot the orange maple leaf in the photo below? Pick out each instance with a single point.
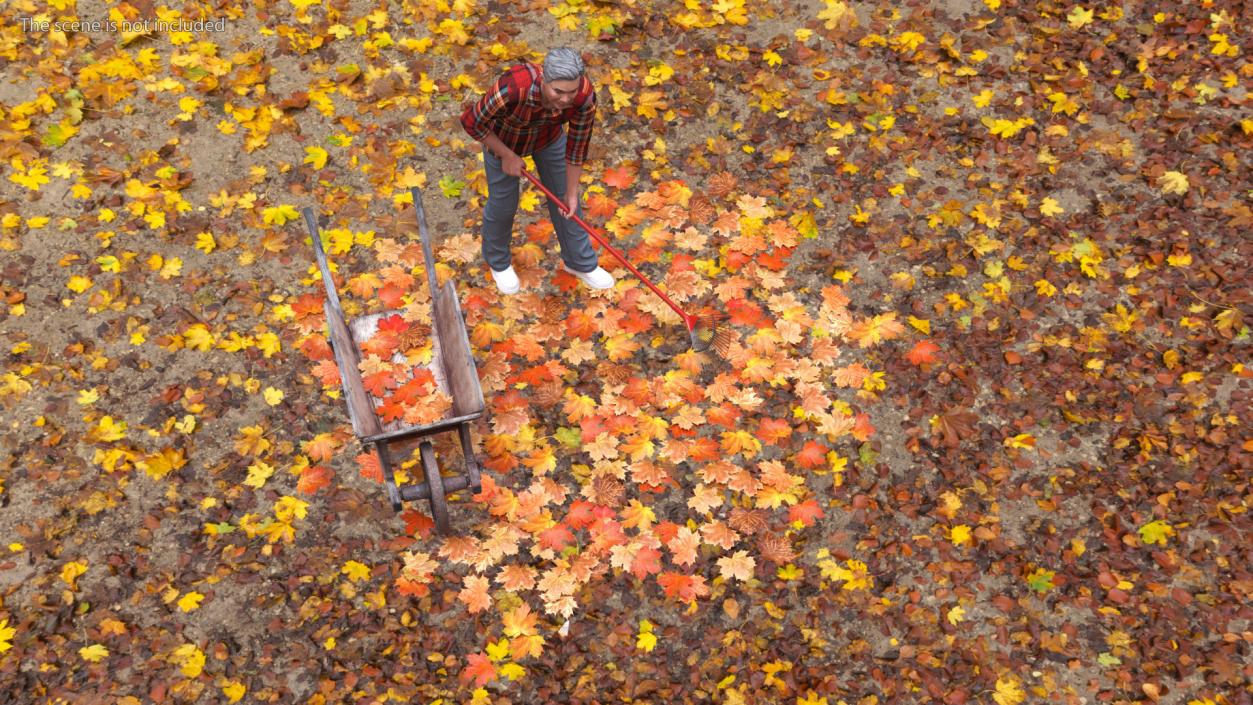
(321, 447)
(772, 430)
(369, 467)
(922, 353)
(683, 587)
(475, 593)
(872, 331)
(314, 478)
(620, 177)
(812, 455)
(601, 206)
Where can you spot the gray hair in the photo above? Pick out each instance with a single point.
(563, 64)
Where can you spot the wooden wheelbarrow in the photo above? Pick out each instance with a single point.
(452, 366)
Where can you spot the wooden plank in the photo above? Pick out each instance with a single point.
(360, 410)
(463, 377)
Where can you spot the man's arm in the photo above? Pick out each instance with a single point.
(477, 120)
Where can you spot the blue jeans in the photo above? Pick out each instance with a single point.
(502, 205)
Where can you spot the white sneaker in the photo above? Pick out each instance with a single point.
(506, 281)
(596, 279)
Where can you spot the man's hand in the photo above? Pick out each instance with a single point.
(572, 203)
(512, 164)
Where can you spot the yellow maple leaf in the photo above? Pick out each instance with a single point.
(279, 215)
(79, 284)
(1050, 208)
(190, 660)
(93, 653)
(355, 571)
(955, 615)
(649, 103)
(190, 601)
(6, 635)
(1008, 692)
(646, 640)
(316, 156)
(233, 690)
(1079, 17)
(272, 396)
(1156, 532)
(959, 535)
(258, 473)
(1173, 182)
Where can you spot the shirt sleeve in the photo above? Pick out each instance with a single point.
(580, 136)
(477, 119)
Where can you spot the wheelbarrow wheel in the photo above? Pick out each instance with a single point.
(439, 507)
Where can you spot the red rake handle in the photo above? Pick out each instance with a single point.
(688, 319)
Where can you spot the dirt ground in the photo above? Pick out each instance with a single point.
(1030, 485)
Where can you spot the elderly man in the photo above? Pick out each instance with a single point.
(523, 114)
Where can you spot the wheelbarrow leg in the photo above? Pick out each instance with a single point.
(389, 477)
(439, 507)
(467, 450)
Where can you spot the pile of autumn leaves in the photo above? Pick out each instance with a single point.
(697, 433)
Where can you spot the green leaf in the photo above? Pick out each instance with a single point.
(867, 454)
(223, 528)
(451, 187)
(1041, 580)
(569, 437)
(1107, 659)
(58, 134)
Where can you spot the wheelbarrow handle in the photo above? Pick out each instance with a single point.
(599, 237)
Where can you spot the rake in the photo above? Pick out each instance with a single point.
(705, 329)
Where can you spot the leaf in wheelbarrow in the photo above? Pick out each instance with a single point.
(451, 187)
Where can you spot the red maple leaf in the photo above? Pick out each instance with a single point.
(378, 383)
(417, 523)
(391, 409)
(813, 455)
(923, 352)
(393, 324)
(806, 512)
(745, 313)
(581, 514)
(556, 537)
(315, 347)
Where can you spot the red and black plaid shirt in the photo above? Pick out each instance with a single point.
(514, 110)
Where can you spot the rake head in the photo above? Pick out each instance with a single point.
(708, 330)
